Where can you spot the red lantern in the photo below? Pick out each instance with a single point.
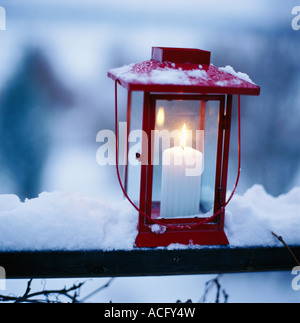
(178, 179)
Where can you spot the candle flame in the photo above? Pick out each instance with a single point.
(160, 119)
(183, 137)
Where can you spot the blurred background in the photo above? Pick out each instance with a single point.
(55, 95)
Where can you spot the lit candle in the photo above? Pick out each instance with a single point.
(181, 181)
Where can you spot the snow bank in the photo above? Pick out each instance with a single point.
(70, 221)
(65, 221)
(251, 218)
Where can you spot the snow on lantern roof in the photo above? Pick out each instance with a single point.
(182, 70)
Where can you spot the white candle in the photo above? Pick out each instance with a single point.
(181, 182)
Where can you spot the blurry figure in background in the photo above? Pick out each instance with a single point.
(26, 104)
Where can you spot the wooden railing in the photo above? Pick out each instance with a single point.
(146, 262)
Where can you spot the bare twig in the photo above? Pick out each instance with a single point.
(226, 296)
(106, 285)
(289, 249)
(44, 295)
(32, 298)
(218, 291)
(214, 283)
(28, 289)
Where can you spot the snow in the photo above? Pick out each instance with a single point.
(243, 76)
(69, 221)
(174, 76)
(251, 218)
(65, 221)
(150, 72)
(168, 73)
(158, 229)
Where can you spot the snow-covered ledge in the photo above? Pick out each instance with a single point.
(69, 222)
(69, 235)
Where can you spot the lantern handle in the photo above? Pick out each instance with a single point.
(191, 226)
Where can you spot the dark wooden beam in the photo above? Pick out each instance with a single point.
(146, 262)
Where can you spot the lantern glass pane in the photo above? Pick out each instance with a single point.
(184, 158)
(134, 147)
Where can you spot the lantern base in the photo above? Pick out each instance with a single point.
(204, 238)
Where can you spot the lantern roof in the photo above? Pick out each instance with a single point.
(182, 70)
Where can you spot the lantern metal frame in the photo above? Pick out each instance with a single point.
(197, 231)
(212, 232)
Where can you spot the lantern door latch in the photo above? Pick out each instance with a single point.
(225, 122)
